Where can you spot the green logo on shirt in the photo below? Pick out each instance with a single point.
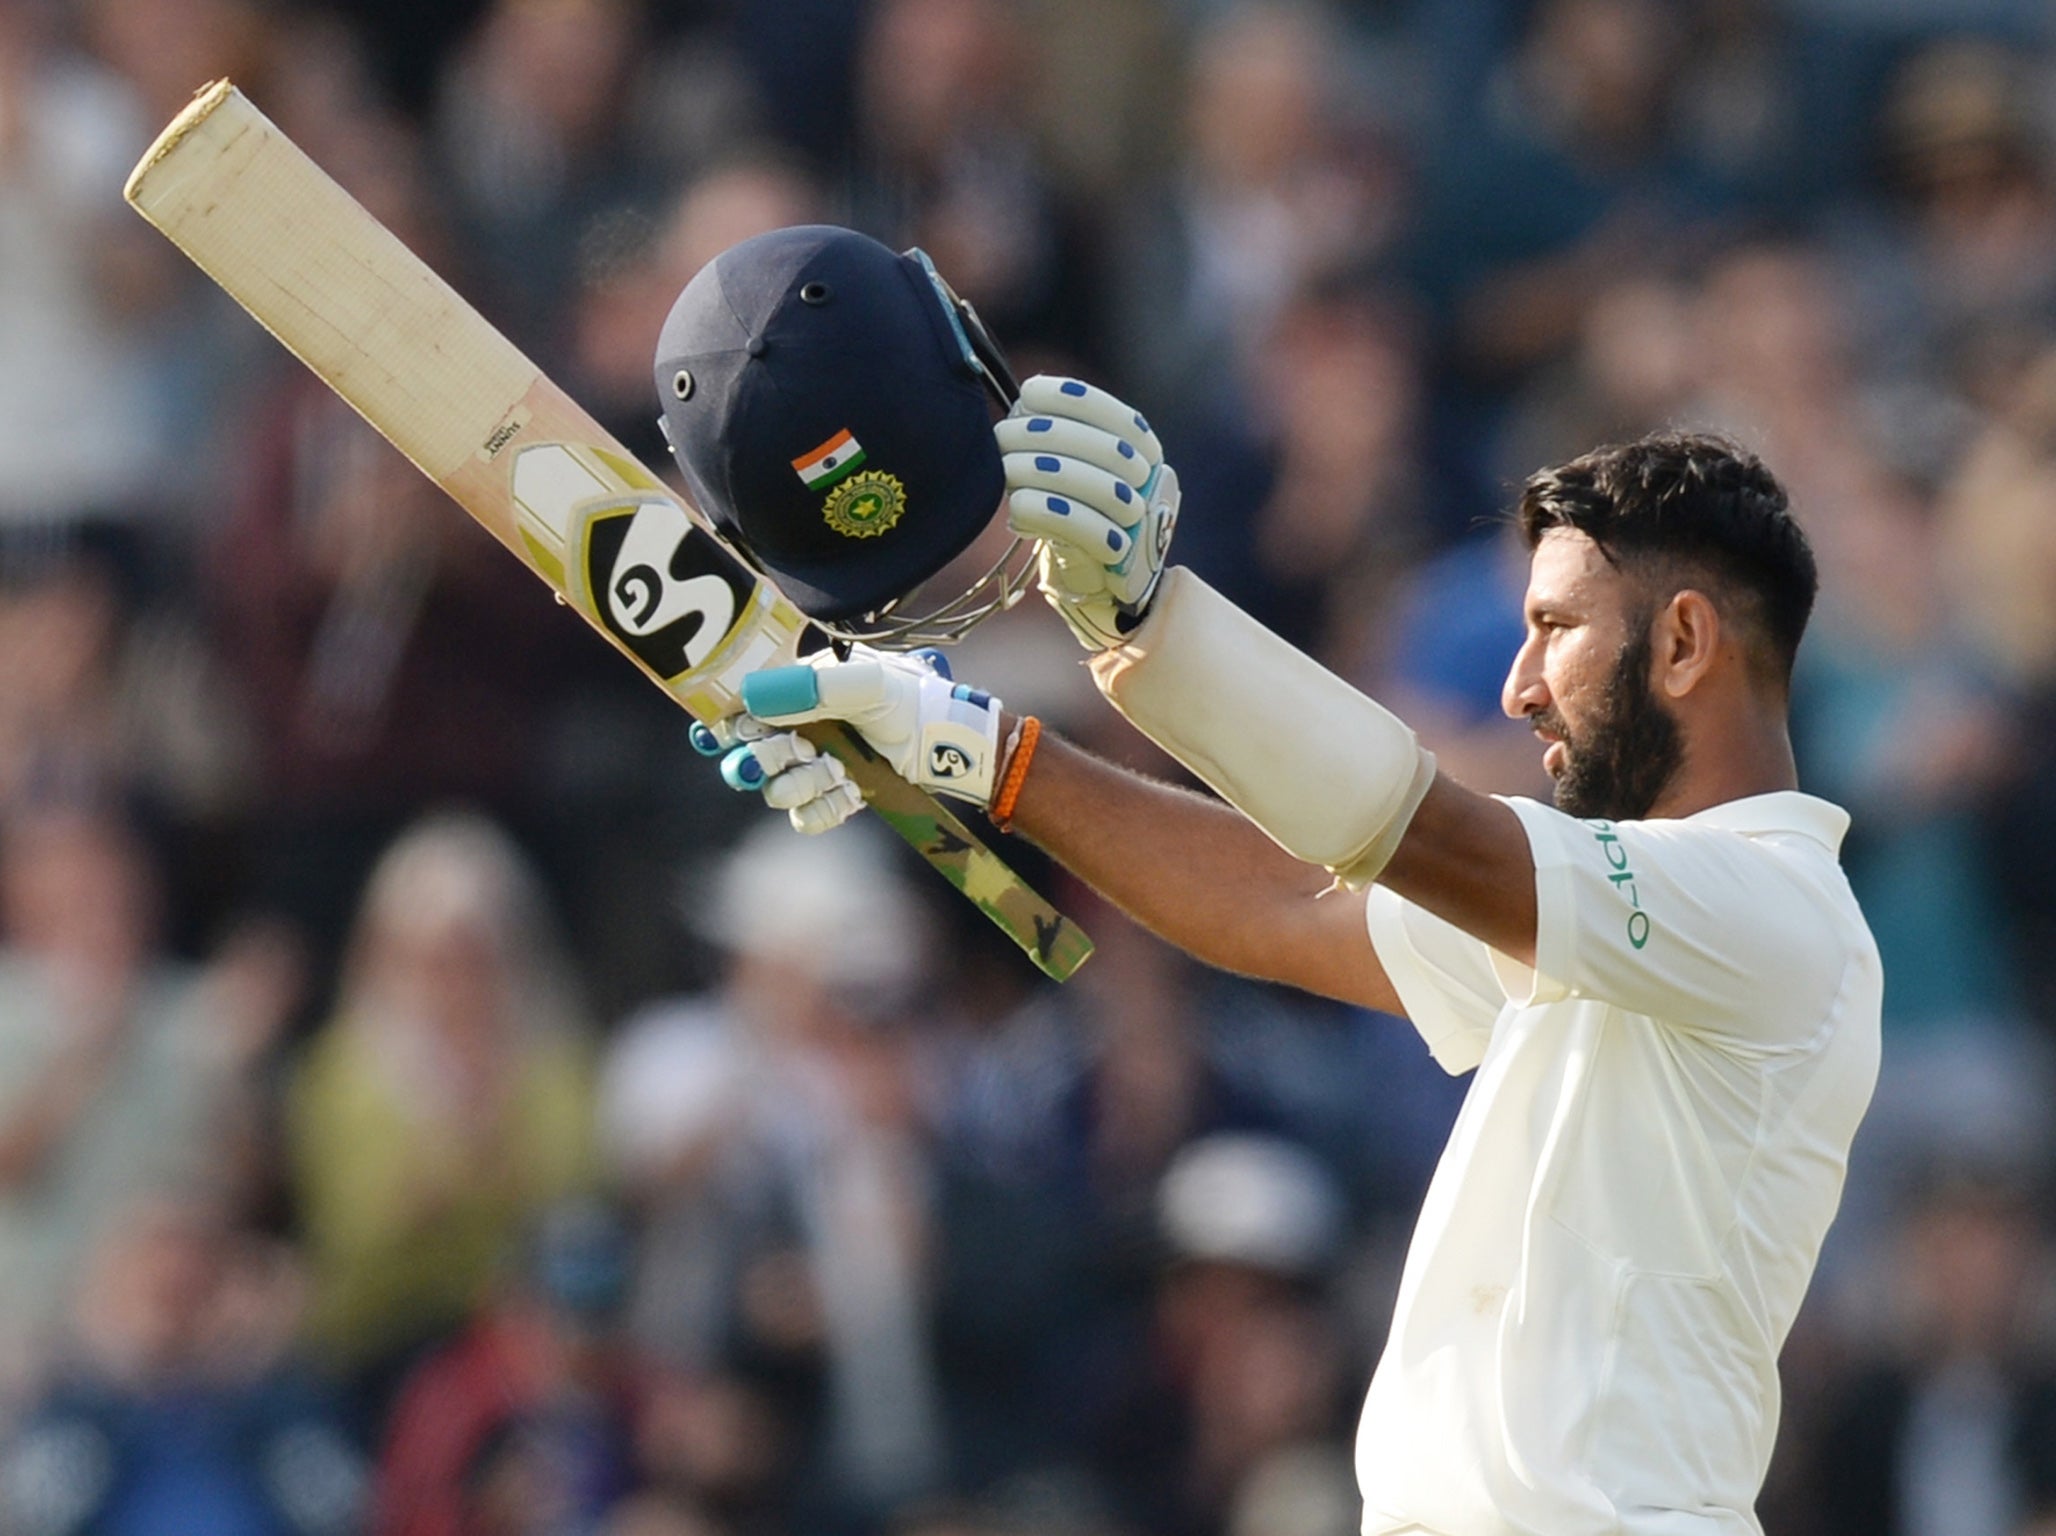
(1623, 879)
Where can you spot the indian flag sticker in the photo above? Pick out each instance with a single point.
(821, 467)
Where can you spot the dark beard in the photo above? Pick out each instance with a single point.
(1618, 765)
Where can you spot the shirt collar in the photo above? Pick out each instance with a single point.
(1784, 810)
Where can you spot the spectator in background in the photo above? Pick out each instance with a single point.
(1152, 1081)
(1778, 363)
(1771, 344)
(168, 49)
(1995, 549)
(444, 1104)
(1055, 1117)
(390, 654)
(1948, 1431)
(182, 1407)
(122, 1075)
(1961, 278)
(947, 160)
(1898, 717)
(806, 95)
(1052, 1114)
(1341, 497)
(69, 130)
(1635, 363)
(1287, 372)
(539, 133)
(1245, 1370)
(769, 1132)
(1279, 190)
(1102, 94)
(106, 698)
(1998, 532)
(528, 1421)
(657, 1514)
(191, 368)
(1553, 173)
(1742, 107)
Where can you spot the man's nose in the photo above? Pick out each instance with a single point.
(1524, 691)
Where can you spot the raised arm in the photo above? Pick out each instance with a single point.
(1332, 791)
(1329, 775)
(1185, 866)
(1196, 873)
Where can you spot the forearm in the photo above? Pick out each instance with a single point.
(1196, 873)
(1328, 774)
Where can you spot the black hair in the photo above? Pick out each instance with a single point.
(1674, 503)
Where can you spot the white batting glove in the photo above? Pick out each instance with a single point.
(1086, 477)
(938, 734)
(794, 775)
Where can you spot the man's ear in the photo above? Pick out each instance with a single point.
(1685, 637)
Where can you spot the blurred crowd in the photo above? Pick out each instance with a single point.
(430, 1105)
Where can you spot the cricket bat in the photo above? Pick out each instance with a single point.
(513, 450)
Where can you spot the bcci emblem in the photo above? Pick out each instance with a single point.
(866, 504)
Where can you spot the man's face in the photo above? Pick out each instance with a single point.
(1582, 680)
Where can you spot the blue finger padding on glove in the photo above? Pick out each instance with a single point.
(741, 770)
(937, 662)
(1121, 444)
(1048, 464)
(703, 740)
(1073, 388)
(1058, 505)
(780, 691)
(1121, 490)
(1040, 424)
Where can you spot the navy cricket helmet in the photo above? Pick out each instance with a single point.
(830, 403)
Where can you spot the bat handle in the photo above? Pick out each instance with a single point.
(1051, 940)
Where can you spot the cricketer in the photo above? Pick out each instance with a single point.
(1663, 989)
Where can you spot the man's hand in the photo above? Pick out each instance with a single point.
(1087, 478)
(939, 735)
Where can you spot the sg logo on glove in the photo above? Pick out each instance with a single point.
(954, 752)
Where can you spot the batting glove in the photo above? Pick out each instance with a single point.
(1086, 478)
(794, 775)
(937, 734)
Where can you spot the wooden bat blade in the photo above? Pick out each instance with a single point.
(368, 316)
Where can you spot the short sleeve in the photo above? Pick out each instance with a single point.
(1444, 978)
(1726, 932)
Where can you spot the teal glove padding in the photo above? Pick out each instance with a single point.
(937, 734)
(794, 775)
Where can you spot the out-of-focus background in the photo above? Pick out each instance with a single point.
(430, 1103)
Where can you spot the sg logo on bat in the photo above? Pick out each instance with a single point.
(661, 587)
(621, 549)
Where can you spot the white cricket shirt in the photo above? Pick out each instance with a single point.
(1631, 1202)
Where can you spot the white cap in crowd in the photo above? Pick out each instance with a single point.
(1239, 1198)
(835, 907)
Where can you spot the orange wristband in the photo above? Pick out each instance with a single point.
(1018, 759)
